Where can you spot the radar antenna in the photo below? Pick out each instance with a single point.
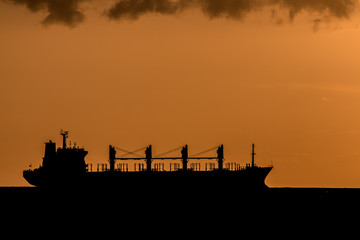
(65, 136)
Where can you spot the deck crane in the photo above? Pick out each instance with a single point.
(149, 158)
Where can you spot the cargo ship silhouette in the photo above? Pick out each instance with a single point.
(66, 167)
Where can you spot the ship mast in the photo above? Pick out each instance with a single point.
(253, 155)
(65, 136)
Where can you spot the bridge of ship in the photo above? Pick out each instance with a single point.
(147, 162)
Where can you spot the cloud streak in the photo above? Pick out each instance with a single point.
(68, 12)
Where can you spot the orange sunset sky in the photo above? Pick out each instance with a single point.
(284, 74)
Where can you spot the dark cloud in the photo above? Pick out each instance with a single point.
(227, 8)
(69, 13)
(237, 9)
(335, 8)
(59, 11)
(133, 9)
(316, 22)
(326, 9)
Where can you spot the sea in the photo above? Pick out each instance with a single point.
(292, 198)
(274, 212)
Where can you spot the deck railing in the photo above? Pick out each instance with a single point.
(159, 167)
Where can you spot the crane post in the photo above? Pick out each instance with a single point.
(184, 156)
(112, 153)
(220, 155)
(148, 154)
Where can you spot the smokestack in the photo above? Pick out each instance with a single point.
(50, 154)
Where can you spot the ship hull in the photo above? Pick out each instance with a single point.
(249, 178)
